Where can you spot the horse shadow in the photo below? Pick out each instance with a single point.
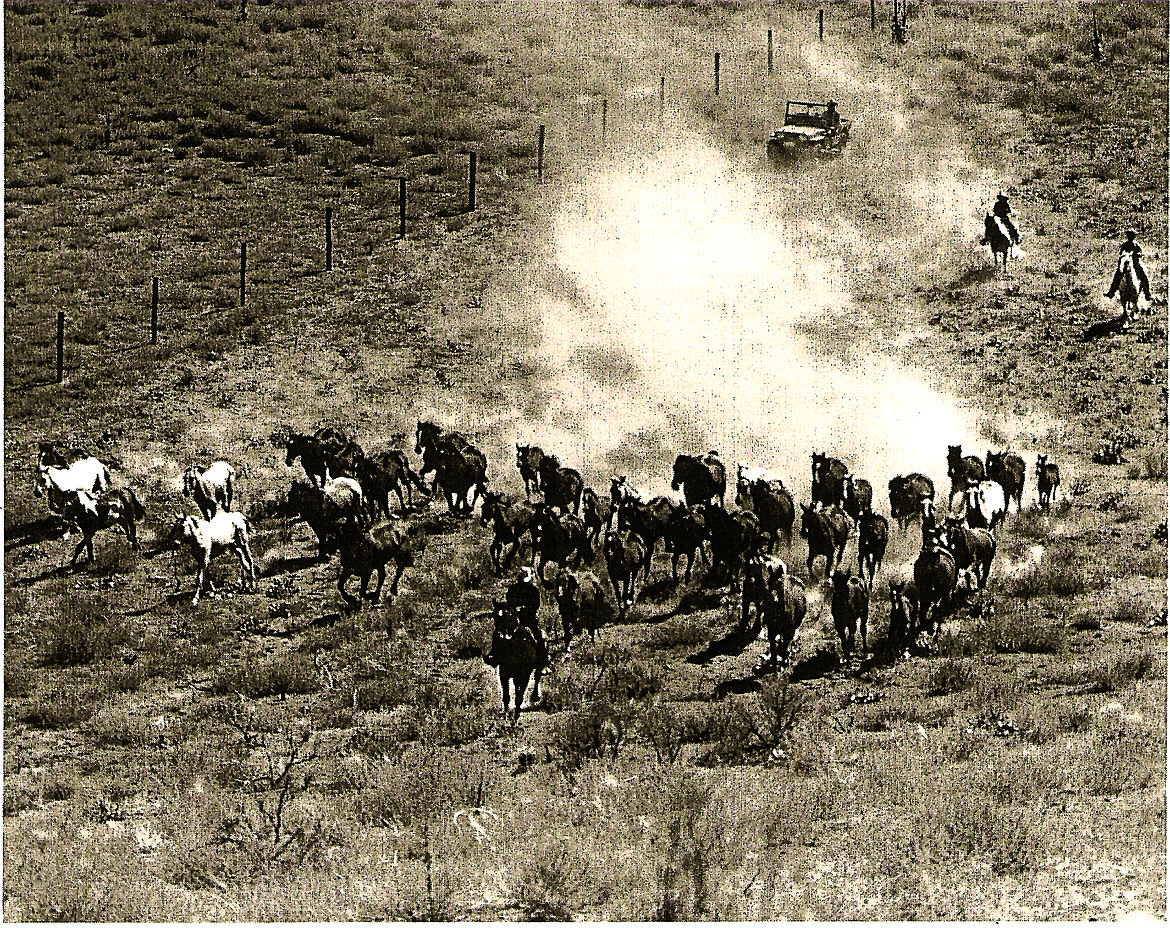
(697, 600)
(61, 570)
(288, 565)
(823, 663)
(47, 528)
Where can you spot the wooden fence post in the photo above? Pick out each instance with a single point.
(328, 238)
(243, 268)
(661, 98)
(717, 74)
(604, 120)
(821, 24)
(154, 310)
(471, 182)
(872, 15)
(402, 207)
(540, 156)
(769, 52)
(60, 346)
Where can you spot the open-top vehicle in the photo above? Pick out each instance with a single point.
(808, 129)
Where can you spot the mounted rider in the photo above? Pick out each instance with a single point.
(1003, 211)
(1130, 247)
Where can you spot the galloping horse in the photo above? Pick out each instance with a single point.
(58, 483)
(1130, 287)
(995, 235)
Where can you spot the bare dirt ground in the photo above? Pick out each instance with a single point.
(270, 755)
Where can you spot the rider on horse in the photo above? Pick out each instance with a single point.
(1130, 247)
(1003, 211)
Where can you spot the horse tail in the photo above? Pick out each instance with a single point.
(101, 481)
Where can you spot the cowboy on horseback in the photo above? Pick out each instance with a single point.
(1003, 211)
(1130, 247)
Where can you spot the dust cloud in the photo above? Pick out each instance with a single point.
(703, 314)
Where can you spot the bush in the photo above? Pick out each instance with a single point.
(968, 823)
(1017, 627)
(58, 711)
(597, 730)
(282, 675)
(1111, 674)
(950, 676)
(83, 633)
(18, 675)
(1154, 465)
(472, 637)
(760, 727)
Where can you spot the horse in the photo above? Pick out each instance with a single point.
(935, 576)
(528, 458)
(827, 531)
(117, 507)
(305, 447)
(48, 453)
(519, 652)
(58, 482)
(205, 538)
(211, 487)
(995, 235)
(429, 440)
(962, 469)
(770, 501)
(703, 480)
(780, 605)
(907, 494)
(828, 480)
(364, 553)
(1130, 287)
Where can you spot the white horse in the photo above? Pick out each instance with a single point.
(225, 531)
(60, 483)
(211, 487)
(985, 505)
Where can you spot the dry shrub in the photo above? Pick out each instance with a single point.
(1019, 627)
(597, 730)
(58, 711)
(1122, 758)
(472, 636)
(1113, 673)
(1154, 465)
(282, 675)
(83, 633)
(949, 676)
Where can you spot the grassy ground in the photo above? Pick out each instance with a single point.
(271, 756)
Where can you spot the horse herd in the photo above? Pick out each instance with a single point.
(563, 522)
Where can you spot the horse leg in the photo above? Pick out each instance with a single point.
(199, 575)
(345, 574)
(504, 687)
(77, 551)
(398, 570)
(377, 594)
(520, 683)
